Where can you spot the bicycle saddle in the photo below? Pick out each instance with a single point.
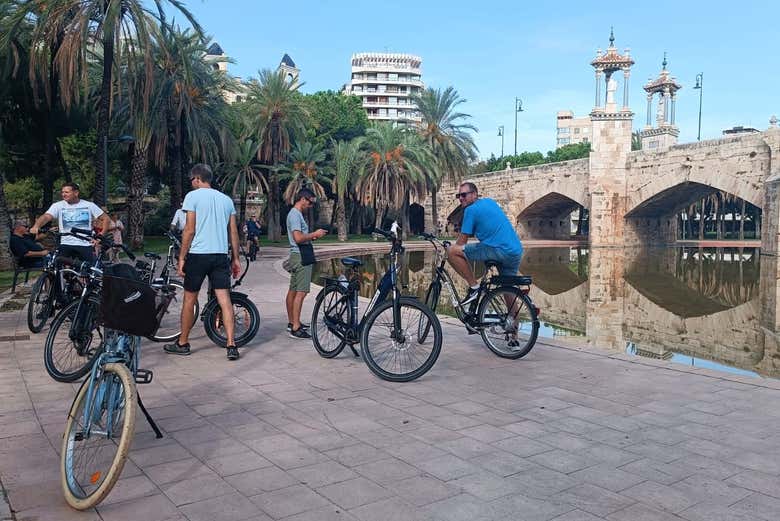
(351, 262)
(154, 256)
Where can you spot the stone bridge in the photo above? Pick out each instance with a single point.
(638, 194)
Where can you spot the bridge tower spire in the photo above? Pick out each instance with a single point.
(611, 124)
(664, 134)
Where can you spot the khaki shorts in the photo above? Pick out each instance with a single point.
(300, 276)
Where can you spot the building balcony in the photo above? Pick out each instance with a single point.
(407, 69)
(379, 81)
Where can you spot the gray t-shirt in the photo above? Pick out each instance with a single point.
(295, 221)
(212, 215)
(77, 215)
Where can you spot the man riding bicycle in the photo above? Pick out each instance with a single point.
(485, 220)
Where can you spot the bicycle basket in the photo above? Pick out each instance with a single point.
(128, 306)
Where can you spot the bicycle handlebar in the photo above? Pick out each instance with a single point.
(104, 240)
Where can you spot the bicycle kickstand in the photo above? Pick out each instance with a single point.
(157, 433)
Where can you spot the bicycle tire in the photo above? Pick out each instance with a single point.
(40, 304)
(498, 338)
(329, 311)
(170, 325)
(80, 493)
(377, 359)
(247, 320)
(431, 300)
(56, 365)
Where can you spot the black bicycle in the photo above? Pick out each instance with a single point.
(387, 331)
(503, 313)
(53, 290)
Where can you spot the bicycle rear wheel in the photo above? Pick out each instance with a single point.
(66, 359)
(41, 303)
(431, 300)
(170, 325)
(399, 356)
(92, 458)
(508, 322)
(246, 319)
(329, 321)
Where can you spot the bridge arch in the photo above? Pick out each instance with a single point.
(549, 217)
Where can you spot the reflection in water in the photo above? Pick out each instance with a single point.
(695, 305)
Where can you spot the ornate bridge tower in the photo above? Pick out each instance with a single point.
(612, 124)
(665, 133)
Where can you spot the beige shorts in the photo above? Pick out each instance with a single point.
(300, 276)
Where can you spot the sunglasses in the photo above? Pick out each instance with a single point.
(312, 201)
(462, 195)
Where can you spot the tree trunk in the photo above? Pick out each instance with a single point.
(579, 220)
(272, 210)
(101, 169)
(758, 224)
(718, 231)
(135, 198)
(341, 219)
(63, 164)
(379, 216)
(6, 262)
(241, 216)
(434, 213)
(405, 218)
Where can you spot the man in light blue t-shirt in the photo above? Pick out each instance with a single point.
(485, 220)
(210, 224)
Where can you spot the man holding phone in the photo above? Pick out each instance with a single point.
(210, 225)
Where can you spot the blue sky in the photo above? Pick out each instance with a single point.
(492, 51)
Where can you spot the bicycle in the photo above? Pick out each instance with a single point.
(101, 420)
(503, 313)
(391, 351)
(53, 290)
(246, 316)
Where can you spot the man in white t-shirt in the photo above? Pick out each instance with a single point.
(178, 221)
(73, 212)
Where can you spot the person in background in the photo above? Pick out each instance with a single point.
(115, 228)
(73, 212)
(28, 253)
(178, 222)
(300, 275)
(252, 236)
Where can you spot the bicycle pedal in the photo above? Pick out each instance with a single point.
(143, 376)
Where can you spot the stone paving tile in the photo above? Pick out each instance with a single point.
(522, 446)
(519, 506)
(196, 489)
(422, 490)
(447, 467)
(660, 496)
(705, 512)
(665, 473)
(230, 507)
(486, 433)
(540, 482)
(262, 480)
(758, 482)
(237, 463)
(59, 512)
(502, 463)
(289, 501)
(463, 507)
(131, 488)
(328, 513)
(486, 485)
(150, 508)
(354, 492)
(387, 470)
(596, 500)
(160, 454)
(355, 455)
(608, 477)
(176, 471)
(577, 515)
(325, 473)
(642, 512)
(563, 461)
(759, 506)
(392, 509)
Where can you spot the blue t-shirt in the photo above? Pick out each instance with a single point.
(485, 220)
(212, 215)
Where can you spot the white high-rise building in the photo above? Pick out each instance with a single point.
(385, 82)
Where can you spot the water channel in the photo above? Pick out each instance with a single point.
(697, 306)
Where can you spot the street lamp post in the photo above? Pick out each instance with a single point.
(518, 108)
(699, 85)
(106, 141)
(501, 134)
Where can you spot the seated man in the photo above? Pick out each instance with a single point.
(29, 253)
(485, 220)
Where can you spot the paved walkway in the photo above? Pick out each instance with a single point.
(564, 434)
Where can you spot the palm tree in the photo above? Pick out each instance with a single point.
(446, 133)
(395, 171)
(347, 162)
(304, 160)
(280, 116)
(245, 175)
(85, 28)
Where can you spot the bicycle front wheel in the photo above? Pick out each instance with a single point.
(40, 304)
(246, 318)
(170, 325)
(329, 321)
(398, 355)
(94, 451)
(68, 359)
(431, 300)
(508, 322)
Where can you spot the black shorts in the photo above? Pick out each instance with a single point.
(198, 266)
(84, 253)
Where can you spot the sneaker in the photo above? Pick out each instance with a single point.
(470, 297)
(301, 332)
(176, 349)
(303, 326)
(232, 353)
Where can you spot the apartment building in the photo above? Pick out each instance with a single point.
(571, 130)
(386, 82)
